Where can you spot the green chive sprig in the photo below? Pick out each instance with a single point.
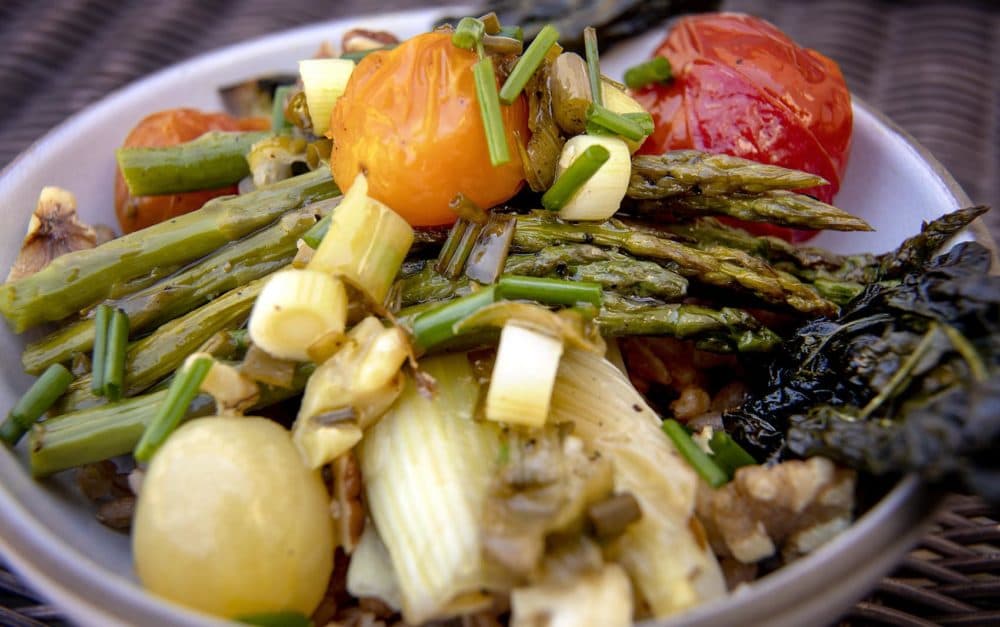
(593, 65)
(608, 121)
(528, 64)
(469, 33)
(182, 391)
(489, 107)
(114, 359)
(574, 177)
(436, 326)
(701, 462)
(42, 394)
(656, 70)
(729, 455)
(549, 291)
(318, 231)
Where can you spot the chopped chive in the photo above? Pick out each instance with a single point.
(491, 23)
(278, 120)
(114, 360)
(435, 326)
(528, 64)
(655, 70)
(593, 65)
(549, 291)
(466, 208)
(102, 320)
(357, 55)
(515, 32)
(36, 401)
(702, 463)
(729, 455)
(576, 175)
(182, 391)
(277, 619)
(489, 108)
(608, 120)
(469, 33)
(317, 232)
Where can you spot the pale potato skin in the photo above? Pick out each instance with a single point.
(231, 522)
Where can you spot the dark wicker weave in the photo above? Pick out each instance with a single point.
(932, 65)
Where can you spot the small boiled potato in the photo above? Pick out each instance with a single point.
(231, 522)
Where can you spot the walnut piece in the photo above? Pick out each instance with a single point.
(794, 506)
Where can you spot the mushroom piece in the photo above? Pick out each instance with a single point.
(54, 230)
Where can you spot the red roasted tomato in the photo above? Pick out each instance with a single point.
(742, 87)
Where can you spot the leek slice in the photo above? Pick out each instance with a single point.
(366, 243)
(324, 81)
(523, 376)
(664, 553)
(294, 309)
(427, 466)
(349, 391)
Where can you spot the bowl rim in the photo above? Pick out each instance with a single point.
(53, 567)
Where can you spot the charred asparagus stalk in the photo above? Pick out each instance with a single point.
(718, 265)
(682, 172)
(163, 351)
(236, 264)
(77, 280)
(97, 433)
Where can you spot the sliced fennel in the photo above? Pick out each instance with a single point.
(523, 376)
(350, 391)
(601, 196)
(295, 308)
(665, 554)
(323, 81)
(366, 243)
(427, 466)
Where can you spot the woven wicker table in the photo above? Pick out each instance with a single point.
(933, 66)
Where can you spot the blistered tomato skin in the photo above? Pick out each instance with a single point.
(230, 521)
(410, 120)
(744, 88)
(168, 128)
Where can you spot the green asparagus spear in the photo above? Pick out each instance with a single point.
(236, 264)
(163, 351)
(97, 433)
(580, 262)
(213, 160)
(775, 207)
(681, 172)
(719, 266)
(77, 280)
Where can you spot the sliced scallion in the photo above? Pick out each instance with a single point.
(524, 376)
(468, 33)
(629, 127)
(182, 391)
(317, 232)
(702, 463)
(656, 70)
(578, 173)
(729, 455)
(593, 64)
(515, 32)
(491, 23)
(436, 326)
(114, 359)
(549, 291)
(102, 320)
(528, 64)
(36, 401)
(466, 233)
(489, 108)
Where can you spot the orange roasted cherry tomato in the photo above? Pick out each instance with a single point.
(409, 119)
(743, 87)
(167, 128)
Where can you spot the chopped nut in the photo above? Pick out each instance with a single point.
(795, 506)
(118, 513)
(54, 230)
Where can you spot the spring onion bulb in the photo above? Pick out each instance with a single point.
(601, 196)
(296, 308)
(366, 242)
(350, 391)
(523, 376)
(323, 81)
(617, 101)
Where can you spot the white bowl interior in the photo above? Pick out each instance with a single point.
(49, 532)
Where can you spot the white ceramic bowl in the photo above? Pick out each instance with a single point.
(48, 532)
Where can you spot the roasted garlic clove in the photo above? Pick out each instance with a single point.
(54, 230)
